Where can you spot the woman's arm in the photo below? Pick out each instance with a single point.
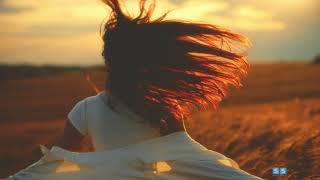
(71, 139)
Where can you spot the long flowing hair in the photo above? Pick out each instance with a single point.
(165, 69)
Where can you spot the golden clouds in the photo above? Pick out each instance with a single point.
(249, 18)
(67, 31)
(235, 16)
(84, 12)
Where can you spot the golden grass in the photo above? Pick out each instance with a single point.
(273, 121)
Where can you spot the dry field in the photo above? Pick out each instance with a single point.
(273, 121)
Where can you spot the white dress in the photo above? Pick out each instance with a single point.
(128, 148)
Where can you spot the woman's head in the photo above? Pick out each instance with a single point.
(165, 69)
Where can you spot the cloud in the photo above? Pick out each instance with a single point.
(7, 8)
(193, 10)
(48, 30)
(254, 19)
(85, 13)
(53, 31)
(251, 12)
(248, 18)
(51, 19)
(243, 17)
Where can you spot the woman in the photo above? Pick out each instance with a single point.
(160, 72)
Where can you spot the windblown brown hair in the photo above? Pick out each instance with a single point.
(165, 69)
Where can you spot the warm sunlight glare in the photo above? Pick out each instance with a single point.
(162, 167)
(225, 162)
(67, 166)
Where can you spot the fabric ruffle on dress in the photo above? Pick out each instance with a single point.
(173, 157)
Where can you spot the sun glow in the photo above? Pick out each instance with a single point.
(161, 167)
(67, 166)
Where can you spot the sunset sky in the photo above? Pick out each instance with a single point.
(67, 31)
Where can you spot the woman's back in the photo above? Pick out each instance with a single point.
(163, 71)
(109, 127)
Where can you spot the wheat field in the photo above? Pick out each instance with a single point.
(274, 120)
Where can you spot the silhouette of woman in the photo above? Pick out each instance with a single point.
(159, 72)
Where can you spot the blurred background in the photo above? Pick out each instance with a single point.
(50, 58)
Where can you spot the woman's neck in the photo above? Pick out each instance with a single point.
(166, 127)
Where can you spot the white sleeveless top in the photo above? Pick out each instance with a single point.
(109, 128)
